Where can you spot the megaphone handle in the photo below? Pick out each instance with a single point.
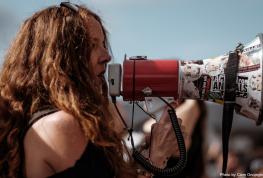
(182, 160)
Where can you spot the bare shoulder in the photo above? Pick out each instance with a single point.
(59, 124)
(57, 139)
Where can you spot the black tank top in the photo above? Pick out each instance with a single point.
(93, 162)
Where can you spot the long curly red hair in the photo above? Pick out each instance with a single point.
(48, 64)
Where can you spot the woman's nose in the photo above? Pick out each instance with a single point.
(105, 58)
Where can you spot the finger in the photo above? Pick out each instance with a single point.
(165, 117)
(180, 121)
(174, 104)
(153, 126)
(147, 140)
(153, 129)
(182, 128)
(185, 135)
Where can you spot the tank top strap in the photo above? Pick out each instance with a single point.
(35, 117)
(39, 114)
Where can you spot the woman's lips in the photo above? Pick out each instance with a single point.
(100, 77)
(101, 74)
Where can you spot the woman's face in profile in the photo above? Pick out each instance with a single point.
(99, 54)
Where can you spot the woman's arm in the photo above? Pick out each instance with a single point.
(189, 112)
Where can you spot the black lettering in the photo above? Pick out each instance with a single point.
(215, 86)
(245, 88)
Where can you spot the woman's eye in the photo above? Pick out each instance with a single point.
(93, 45)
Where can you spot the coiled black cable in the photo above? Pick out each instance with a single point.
(183, 156)
(146, 164)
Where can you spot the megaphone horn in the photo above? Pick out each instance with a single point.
(195, 79)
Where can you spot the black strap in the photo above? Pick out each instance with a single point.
(35, 117)
(229, 102)
(39, 114)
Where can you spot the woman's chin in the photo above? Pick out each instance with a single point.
(100, 82)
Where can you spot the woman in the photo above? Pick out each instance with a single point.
(59, 123)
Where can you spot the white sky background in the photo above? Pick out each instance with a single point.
(185, 29)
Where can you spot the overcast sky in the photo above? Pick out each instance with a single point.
(185, 29)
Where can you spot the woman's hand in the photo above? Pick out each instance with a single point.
(163, 142)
